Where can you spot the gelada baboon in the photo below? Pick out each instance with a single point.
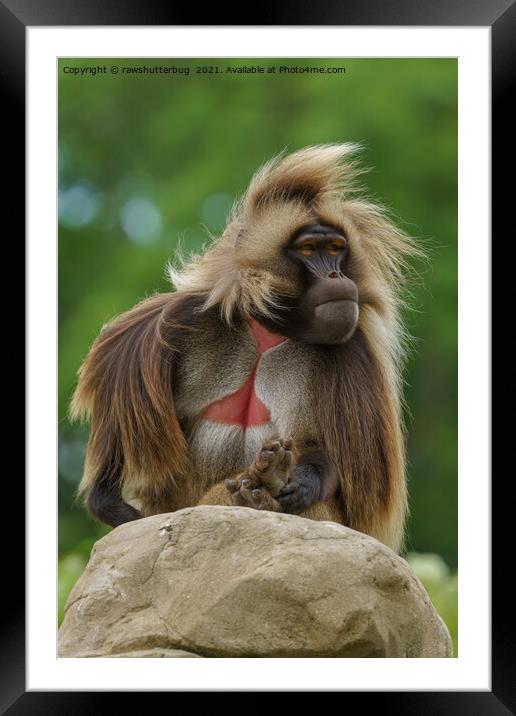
(270, 378)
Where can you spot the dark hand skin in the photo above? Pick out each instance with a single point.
(313, 481)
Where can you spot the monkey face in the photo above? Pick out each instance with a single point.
(327, 311)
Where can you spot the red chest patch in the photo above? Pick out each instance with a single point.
(244, 407)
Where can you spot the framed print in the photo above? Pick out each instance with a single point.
(142, 131)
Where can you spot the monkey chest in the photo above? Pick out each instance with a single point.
(249, 406)
(254, 386)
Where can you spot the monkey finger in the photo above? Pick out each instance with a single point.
(289, 488)
(286, 460)
(273, 445)
(259, 498)
(238, 500)
(255, 498)
(292, 504)
(232, 485)
(247, 496)
(264, 459)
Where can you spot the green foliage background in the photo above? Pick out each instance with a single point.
(147, 158)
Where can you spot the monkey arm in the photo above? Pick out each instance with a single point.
(125, 388)
(313, 480)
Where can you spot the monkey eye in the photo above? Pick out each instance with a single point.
(335, 247)
(306, 249)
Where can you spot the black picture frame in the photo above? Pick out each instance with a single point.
(500, 16)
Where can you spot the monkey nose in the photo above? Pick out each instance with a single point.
(333, 274)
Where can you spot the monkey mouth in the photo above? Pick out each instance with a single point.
(336, 320)
(337, 300)
(337, 309)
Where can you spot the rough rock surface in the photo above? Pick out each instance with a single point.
(235, 582)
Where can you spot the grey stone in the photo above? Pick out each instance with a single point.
(216, 581)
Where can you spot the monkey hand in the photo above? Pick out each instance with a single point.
(264, 479)
(302, 490)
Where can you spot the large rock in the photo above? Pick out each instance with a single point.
(235, 582)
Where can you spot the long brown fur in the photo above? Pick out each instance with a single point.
(125, 386)
(125, 383)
